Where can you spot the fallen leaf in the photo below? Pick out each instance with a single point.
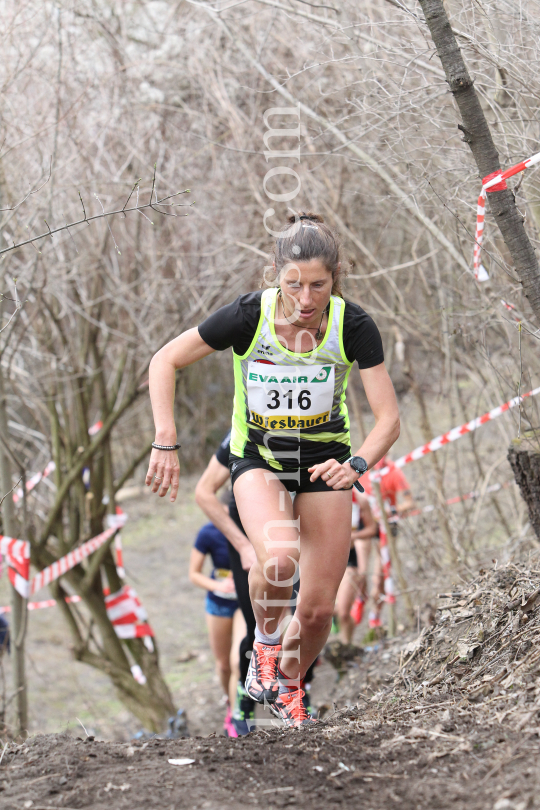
(466, 649)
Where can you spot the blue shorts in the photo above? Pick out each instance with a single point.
(225, 611)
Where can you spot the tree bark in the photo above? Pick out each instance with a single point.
(524, 458)
(478, 135)
(18, 604)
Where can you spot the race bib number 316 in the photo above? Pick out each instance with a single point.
(289, 397)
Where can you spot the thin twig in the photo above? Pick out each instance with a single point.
(135, 185)
(11, 490)
(84, 729)
(99, 216)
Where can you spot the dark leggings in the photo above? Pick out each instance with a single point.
(241, 584)
(242, 592)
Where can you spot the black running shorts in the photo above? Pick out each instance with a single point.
(293, 480)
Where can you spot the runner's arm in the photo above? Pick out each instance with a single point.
(209, 483)
(382, 400)
(406, 503)
(370, 526)
(184, 350)
(196, 562)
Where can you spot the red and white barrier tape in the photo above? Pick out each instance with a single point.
(124, 608)
(493, 182)
(51, 467)
(34, 481)
(127, 615)
(73, 558)
(17, 555)
(65, 564)
(45, 603)
(456, 499)
(454, 434)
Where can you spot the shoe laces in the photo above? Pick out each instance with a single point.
(266, 660)
(296, 706)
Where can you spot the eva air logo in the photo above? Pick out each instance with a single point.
(323, 375)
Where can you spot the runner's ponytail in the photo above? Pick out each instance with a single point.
(307, 237)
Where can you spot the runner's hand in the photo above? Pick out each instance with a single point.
(248, 558)
(225, 585)
(336, 475)
(164, 468)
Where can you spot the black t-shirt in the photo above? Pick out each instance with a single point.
(222, 453)
(235, 325)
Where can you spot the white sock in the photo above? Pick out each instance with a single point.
(269, 640)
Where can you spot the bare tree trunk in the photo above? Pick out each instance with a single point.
(524, 458)
(18, 603)
(478, 135)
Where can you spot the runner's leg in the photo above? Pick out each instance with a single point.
(241, 584)
(265, 508)
(243, 706)
(377, 588)
(266, 511)
(348, 590)
(238, 633)
(220, 633)
(325, 539)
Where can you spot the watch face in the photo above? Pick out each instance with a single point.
(359, 464)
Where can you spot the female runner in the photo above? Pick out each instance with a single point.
(353, 584)
(226, 625)
(293, 348)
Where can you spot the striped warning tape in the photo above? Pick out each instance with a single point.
(51, 467)
(454, 434)
(45, 603)
(17, 555)
(124, 608)
(34, 481)
(496, 181)
(71, 559)
(456, 499)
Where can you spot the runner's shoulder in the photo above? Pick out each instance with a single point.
(233, 324)
(361, 338)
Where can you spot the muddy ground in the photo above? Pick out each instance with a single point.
(431, 758)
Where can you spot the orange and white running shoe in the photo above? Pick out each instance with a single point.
(262, 681)
(291, 709)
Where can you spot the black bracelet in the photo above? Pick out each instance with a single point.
(166, 446)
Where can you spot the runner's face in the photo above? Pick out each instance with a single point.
(306, 289)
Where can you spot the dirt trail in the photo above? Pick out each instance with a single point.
(408, 764)
(402, 729)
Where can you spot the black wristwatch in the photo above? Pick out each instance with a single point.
(360, 466)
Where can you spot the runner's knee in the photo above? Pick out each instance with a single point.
(223, 665)
(315, 618)
(280, 570)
